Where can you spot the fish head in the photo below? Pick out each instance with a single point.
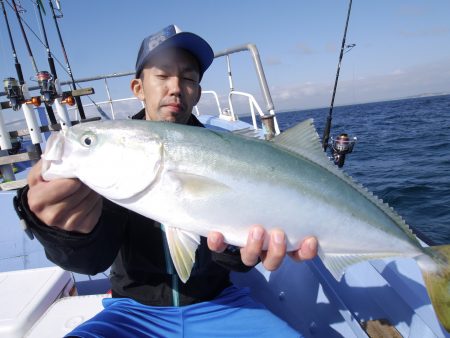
(117, 160)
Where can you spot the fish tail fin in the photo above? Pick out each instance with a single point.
(436, 274)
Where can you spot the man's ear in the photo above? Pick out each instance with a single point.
(137, 88)
(199, 94)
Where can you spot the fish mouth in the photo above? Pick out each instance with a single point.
(54, 151)
(55, 147)
(56, 160)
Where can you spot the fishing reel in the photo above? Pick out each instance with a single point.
(47, 86)
(16, 146)
(341, 146)
(13, 92)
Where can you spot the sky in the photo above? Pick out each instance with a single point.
(402, 46)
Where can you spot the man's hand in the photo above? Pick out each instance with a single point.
(273, 257)
(65, 203)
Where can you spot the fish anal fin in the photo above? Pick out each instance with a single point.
(337, 263)
(182, 246)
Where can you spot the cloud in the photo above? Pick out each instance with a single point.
(436, 31)
(398, 72)
(401, 83)
(303, 48)
(273, 61)
(303, 95)
(413, 11)
(331, 47)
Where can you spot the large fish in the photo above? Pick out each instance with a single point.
(195, 180)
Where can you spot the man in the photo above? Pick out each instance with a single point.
(85, 233)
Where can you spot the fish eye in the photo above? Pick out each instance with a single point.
(87, 140)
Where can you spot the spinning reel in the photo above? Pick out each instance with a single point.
(341, 146)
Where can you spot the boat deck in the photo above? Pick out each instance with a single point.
(303, 294)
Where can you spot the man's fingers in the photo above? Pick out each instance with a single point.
(84, 216)
(276, 250)
(308, 250)
(44, 194)
(216, 242)
(51, 201)
(63, 189)
(34, 175)
(250, 254)
(67, 204)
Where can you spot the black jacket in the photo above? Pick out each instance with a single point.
(135, 247)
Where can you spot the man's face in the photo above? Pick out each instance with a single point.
(169, 86)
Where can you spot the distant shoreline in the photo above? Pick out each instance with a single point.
(419, 96)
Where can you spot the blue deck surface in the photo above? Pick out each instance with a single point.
(303, 294)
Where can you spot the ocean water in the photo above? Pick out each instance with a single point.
(402, 155)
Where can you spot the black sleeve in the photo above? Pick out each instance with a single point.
(231, 259)
(83, 253)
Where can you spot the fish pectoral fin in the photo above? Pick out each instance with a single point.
(198, 186)
(182, 246)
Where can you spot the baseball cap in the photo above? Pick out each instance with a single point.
(172, 36)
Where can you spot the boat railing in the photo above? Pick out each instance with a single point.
(216, 101)
(253, 105)
(230, 113)
(98, 106)
(107, 109)
(261, 78)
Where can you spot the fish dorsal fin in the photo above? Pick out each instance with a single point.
(303, 140)
(182, 246)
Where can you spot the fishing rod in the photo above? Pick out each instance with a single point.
(46, 88)
(342, 145)
(19, 96)
(51, 63)
(69, 69)
(30, 52)
(5, 143)
(45, 79)
(16, 60)
(50, 87)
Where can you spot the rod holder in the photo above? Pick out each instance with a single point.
(269, 126)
